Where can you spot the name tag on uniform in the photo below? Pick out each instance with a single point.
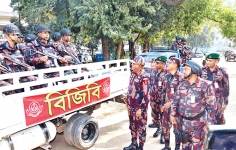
(172, 90)
(216, 85)
(136, 80)
(159, 83)
(192, 99)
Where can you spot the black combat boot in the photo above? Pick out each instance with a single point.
(162, 140)
(131, 147)
(167, 146)
(177, 146)
(157, 131)
(153, 125)
(140, 147)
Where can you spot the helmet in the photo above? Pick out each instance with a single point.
(30, 37)
(183, 40)
(65, 31)
(195, 68)
(20, 36)
(178, 37)
(41, 28)
(56, 36)
(11, 29)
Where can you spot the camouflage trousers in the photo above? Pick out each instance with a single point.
(196, 134)
(219, 118)
(166, 126)
(137, 126)
(156, 111)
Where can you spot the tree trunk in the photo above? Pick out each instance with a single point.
(105, 50)
(131, 46)
(146, 46)
(118, 50)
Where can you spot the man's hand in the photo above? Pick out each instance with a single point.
(62, 60)
(172, 120)
(43, 58)
(224, 107)
(206, 127)
(29, 68)
(138, 113)
(1, 56)
(68, 57)
(167, 105)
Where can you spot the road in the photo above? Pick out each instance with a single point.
(114, 125)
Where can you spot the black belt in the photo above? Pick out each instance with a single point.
(195, 117)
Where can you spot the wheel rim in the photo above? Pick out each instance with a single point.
(88, 132)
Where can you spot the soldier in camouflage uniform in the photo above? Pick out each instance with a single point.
(137, 100)
(44, 44)
(177, 44)
(220, 82)
(171, 81)
(195, 102)
(185, 52)
(10, 51)
(156, 88)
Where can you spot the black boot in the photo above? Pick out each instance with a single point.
(177, 146)
(157, 131)
(140, 147)
(167, 146)
(131, 147)
(162, 140)
(153, 125)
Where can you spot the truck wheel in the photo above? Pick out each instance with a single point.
(85, 132)
(226, 58)
(68, 127)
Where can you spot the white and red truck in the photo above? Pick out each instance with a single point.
(32, 118)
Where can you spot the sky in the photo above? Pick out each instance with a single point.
(5, 6)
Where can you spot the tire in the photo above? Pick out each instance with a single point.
(226, 58)
(85, 132)
(68, 128)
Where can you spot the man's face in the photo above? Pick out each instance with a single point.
(66, 37)
(186, 71)
(44, 35)
(153, 64)
(179, 41)
(136, 67)
(171, 65)
(12, 37)
(159, 65)
(211, 62)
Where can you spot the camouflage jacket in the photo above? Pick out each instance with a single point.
(33, 57)
(15, 53)
(138, 95)
(170, 84)
(157, 84)
(220, 81)
(176, 46)
(190, 100)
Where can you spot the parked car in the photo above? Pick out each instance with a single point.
(148, 56)
(221, 137)
(230, 55)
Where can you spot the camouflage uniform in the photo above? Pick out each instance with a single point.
(190, 102)
(16, 53)
(176, 46)
(220, 83)
(156, 88)
(171, 82)
(138, 98)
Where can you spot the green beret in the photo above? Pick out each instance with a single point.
(213, 56)
(161, 58)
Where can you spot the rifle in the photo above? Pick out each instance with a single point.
(52, 56)
(3, 68)
(16, 61)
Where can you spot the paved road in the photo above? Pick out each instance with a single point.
(114, 132)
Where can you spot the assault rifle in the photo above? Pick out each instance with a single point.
(3, 68)
(16, 61)
(52, 56)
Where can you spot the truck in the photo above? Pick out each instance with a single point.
(33, 117)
